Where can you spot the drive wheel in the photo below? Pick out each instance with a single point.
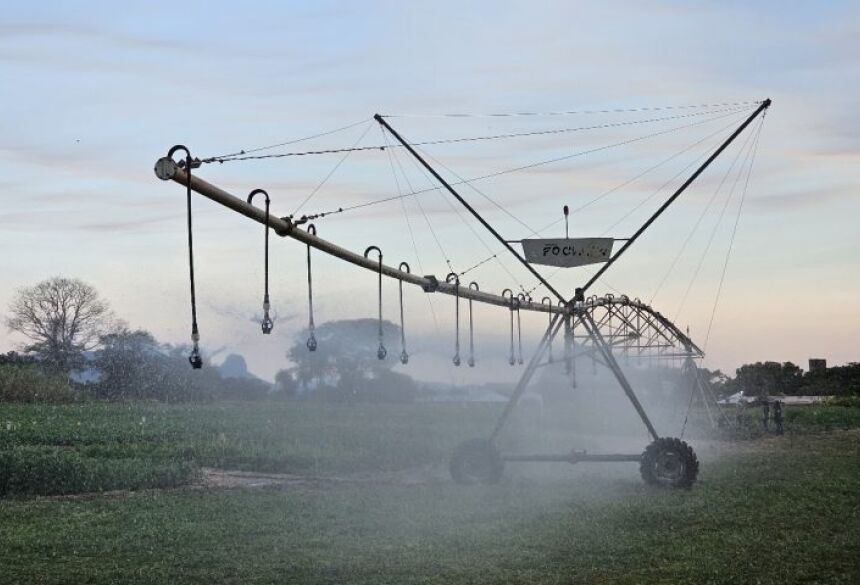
(669, 462)
(476, 461)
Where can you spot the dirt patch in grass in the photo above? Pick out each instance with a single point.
(211, 478)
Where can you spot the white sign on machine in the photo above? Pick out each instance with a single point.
(567, 252)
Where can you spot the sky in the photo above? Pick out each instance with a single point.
(93, 94)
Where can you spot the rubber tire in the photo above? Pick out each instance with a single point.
(681, 452)
(476, 461)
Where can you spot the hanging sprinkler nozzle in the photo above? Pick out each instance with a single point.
(312, 338)
(454, 279)
(509, 294)
(471, 361)
(404, 355)
(266, 324)
(381, 352)
(165, 169)
(195, 359)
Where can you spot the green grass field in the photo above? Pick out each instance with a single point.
(766, 510)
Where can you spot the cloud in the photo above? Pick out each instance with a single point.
(37, 31)
(814, 197)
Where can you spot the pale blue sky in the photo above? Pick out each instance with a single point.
(93, 93)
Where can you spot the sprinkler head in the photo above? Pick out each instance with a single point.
(194, 359)
(511, 360)
(471, 362)
(312, 343)
(404, 357)
(381, 352)
(266, 324)
(456, 360)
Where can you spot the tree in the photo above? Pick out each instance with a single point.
(768, 378)
(62, 318)
(345, 366)
(130, 365)
(285, 385)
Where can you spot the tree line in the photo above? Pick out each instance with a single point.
(68, 326)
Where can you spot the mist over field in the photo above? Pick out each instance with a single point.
(276, 276)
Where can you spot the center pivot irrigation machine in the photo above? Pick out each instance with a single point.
(599, 327)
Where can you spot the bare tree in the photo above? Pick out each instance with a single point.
(62, 318)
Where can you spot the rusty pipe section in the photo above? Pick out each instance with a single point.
(166, 169)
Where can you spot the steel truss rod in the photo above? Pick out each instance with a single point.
(471, 209)
(762, 107)
(169, 170)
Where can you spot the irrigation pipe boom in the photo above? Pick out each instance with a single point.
(167, 169)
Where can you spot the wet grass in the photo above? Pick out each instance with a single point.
(778, 510)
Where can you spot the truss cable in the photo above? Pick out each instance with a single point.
(237, 157)
(471, 361)
(465, 222)
(690, 235)
(404, 356)
(222, 158)
(478, 191)
(645, 172)
(393, 157)
(530, 165)
(334, 169)
(734, 233)
(417, 256)
(721, 216)
(312, 339)
(660, 189)
(616, 188)
(266, 324)
(381, 352)
(571, 112)
(452, 278)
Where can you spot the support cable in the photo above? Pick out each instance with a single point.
(764, 105)
(686, 243)
(393, 159)
(333, 170)
(734, 233)
(524, 167)
(468, 225)
(241, 157)
(743, 150)
(616, 188)
(223, 157)
(571, 112)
